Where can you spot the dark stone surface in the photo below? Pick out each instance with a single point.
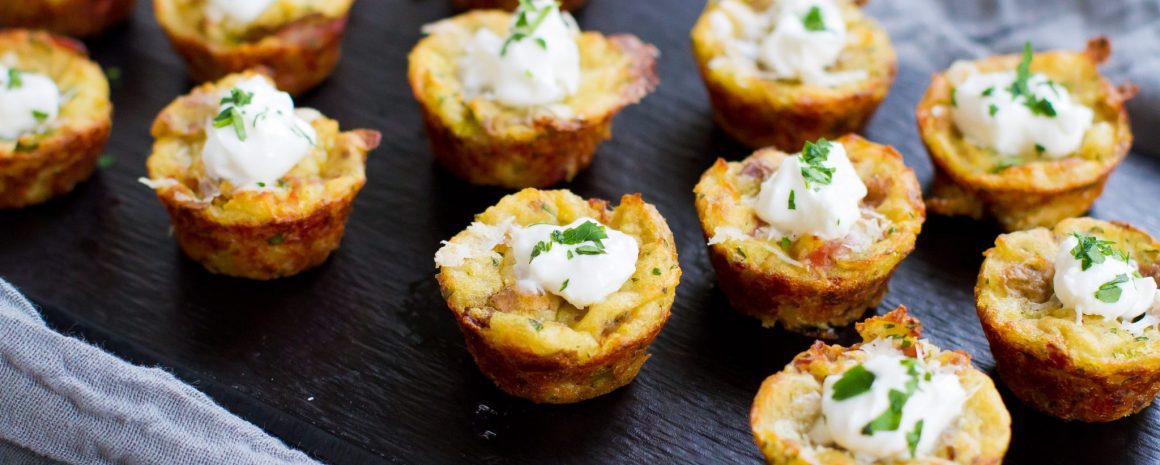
(359, 361)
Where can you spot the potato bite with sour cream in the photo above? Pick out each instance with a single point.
(1071, 314)
(297, 41)
(810, 240)
(77, 18)
(255, 187)
(894, 398)
(559, 297)
(783, 72)
(1028, 139)
(55, 116)
(523, 99)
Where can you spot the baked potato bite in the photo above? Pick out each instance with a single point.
(566, 5)
(297, 41)
(559, 297)
(783, 72)
(254, 187)
(55, 116)
(894, 398)
(77, 18)
(1071, 317)
(523, 100)
(810, 255)
(1027, 139)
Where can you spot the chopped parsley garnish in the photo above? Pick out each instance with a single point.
(40, 116)
(854, 382)
(237, 97)
(588, 236)
(1110, 291)
(785, 243)
(891, 419)
(792, 204)
(1039, 148)
(913, 437)
(812, 157)
(988, 91)
(15, 81)
(113, 73)
(536, 325)
(105, 161)
(992, 109)
(526, 25)
(1020, 88)
(656, 271)
(1005, 163)
(813, 20)
(25, 147)
(231, 117)
(1090, 250)
(261, 184)
(565, 285)
(954, 99)
(740, 252)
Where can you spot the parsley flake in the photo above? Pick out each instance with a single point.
(231, 117)
(1089, 250)
(536, 325)
(812, 157)
(813, 21)
(525, 26)
(565, 285)
(1110, 291)
(913, 437)
(656, 271)
(854, 382)
(40, 116)
(792, 204)
(15, 79)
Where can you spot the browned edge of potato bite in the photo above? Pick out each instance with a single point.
(298, 55)
(255, 234)
(77, 18)
(979, 437)
(510, 5)
(827, 292)
(1094, 372)
(1035, 193)
(488, 144)
(40, 166)
(541, 348)
(761, 112)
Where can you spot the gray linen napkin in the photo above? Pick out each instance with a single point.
(72, 402)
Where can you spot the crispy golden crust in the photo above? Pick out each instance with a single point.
(42, 165)
(1095, 371)
(510, 5)
(1038, 191)
(78, 18)
(489, 144)
(789, 403)
(835, 286)
(298, 51)
(259, 234)
(762, 112)
(540, 347)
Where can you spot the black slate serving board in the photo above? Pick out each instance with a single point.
(360, 362)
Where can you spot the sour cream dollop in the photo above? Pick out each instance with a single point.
(583, 272)
(930, 395)
(27, 101)
(242, 11)
(989, 114)
(538, 63)
(792, 39)
(1110, 287)
(794, 206)
(256, 137)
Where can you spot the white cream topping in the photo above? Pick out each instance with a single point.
(242, 11)
(538, 63)
(990, 114)
(1111, 286)
(791, 40)
(794, 206)
(27, 101)
(931, 395)
(256, 137)
(582, 272)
